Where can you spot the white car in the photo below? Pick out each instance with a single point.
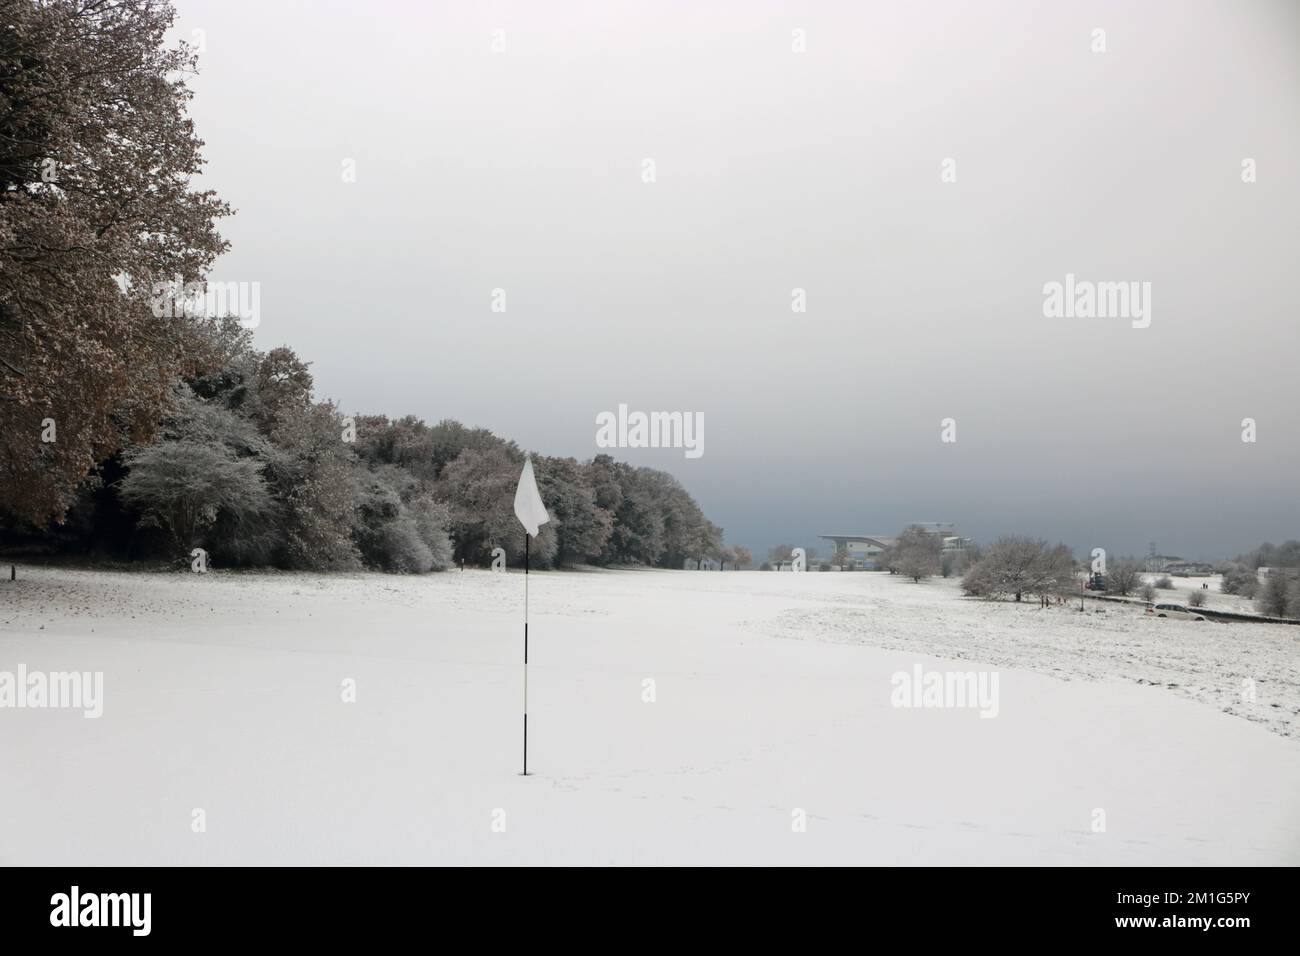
(1174, 611)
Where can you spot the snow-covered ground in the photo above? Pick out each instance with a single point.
(771, 706)
(1215, 599)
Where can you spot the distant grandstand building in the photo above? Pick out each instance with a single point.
(864, 550)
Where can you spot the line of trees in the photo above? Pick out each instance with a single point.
(1279, 595)
(134, 434)
(246, 465)
(1016, 566)
(1268, 555)
(1241, 577)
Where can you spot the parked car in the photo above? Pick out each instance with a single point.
(1096, 582)
(1174, 611)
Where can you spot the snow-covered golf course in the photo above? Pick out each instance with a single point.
(675, 717)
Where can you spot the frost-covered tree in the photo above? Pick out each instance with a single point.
(449, 439)
(203, 481)
(187, 486)
(432, 519)
(317, 481)
(1274, 596)
(1240, 579)
(639, 534)
(583, 528)
(916, 554)
(479, 488)
(1054, 574)
(1124, 577)
(1013, 566)
(405, 441)
(400, 528)
(687, 534)
(97, 157)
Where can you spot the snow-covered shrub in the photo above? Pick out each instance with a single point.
(1241, 580)
(1274, 598)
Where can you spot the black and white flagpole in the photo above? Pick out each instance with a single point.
(532, 515)
(526, 538)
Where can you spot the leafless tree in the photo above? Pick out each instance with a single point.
(1124, 578)
(781, 554)
(916, 553)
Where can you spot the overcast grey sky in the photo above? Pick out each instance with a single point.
(776, 170)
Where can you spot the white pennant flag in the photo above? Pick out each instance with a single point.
(528, 501)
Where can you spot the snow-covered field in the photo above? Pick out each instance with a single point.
(1215, 599)
(771, 706)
